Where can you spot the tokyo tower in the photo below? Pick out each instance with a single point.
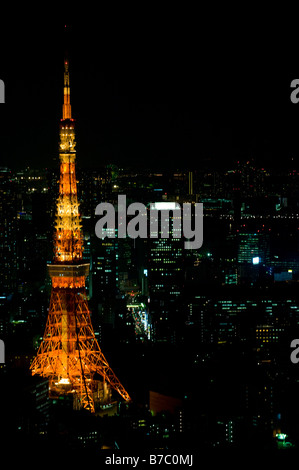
(69, 354)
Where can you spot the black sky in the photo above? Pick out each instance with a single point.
(153, 92)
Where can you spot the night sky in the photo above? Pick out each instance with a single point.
(183, 91)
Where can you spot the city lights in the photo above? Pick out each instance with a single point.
(149, 248)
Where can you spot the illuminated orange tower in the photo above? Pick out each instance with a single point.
(69, 354)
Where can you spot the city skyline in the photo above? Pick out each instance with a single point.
(201, 338)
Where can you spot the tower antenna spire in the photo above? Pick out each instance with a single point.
(66, 107)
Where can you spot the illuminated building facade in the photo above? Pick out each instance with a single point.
(252, 246)
(8, 225)
(69, 355)
(268, 334)
(165, 283)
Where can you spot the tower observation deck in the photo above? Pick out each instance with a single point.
(69, 354)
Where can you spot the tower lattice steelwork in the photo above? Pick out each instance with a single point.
(69, 354)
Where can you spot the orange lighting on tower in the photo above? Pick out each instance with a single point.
(69, 354)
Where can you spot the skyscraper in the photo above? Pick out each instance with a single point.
(165, 280)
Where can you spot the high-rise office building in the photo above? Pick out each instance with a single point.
(166, 280)
(253, 248)
(9, 206)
